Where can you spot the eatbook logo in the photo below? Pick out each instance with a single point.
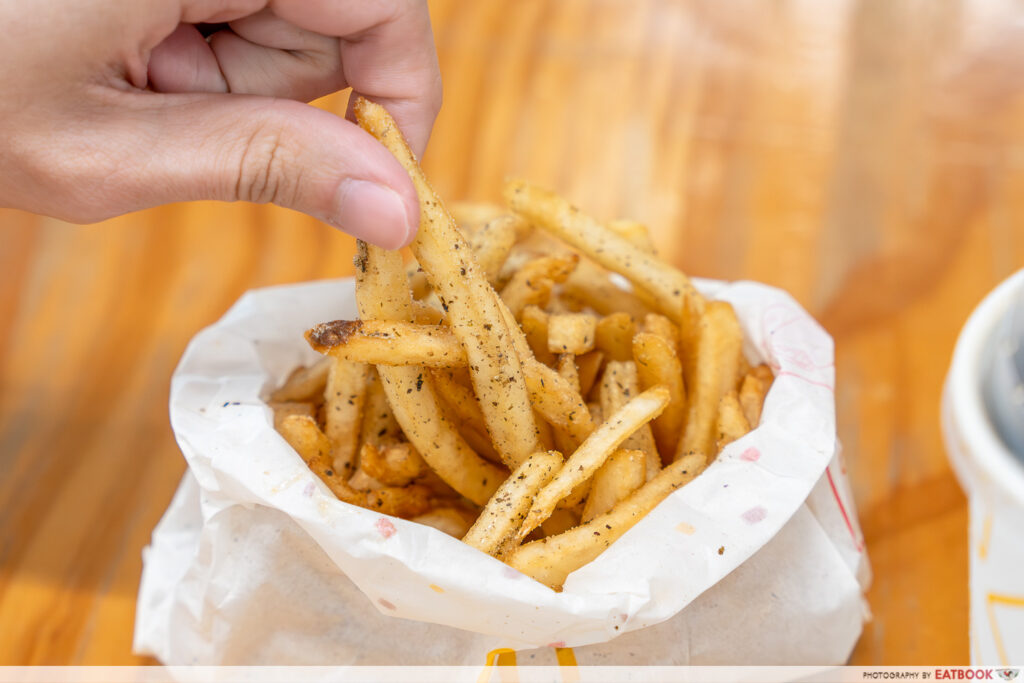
(1007, 674)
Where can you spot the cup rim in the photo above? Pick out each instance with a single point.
(982, 448)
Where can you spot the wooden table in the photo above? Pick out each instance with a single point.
(854, 153)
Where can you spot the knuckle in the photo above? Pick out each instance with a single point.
(263, 168)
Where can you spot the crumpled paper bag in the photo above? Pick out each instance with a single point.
(758, 560)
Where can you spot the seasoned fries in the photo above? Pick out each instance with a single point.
(563, 408)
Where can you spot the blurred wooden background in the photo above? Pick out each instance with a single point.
(866, 155)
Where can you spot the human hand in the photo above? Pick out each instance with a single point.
(108, 106)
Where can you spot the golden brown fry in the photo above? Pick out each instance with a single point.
(676, 296)
(284, 408)
(451, 520)
(568, 370)
(552, 559)
(622, 473)
(305, 384)
(591, 285)
(571, 333)
(460, 398)
(507, 508)
(593, 452)
(361, 481)
(716, 365)
(635, 232)
(752, 392)
(313, 446)
(588, 365)
(730, 424)
(388, 342)
(618, 385)
(382, 293)
(379, 422)
(425, 314)
(560, 520)
(614, 336)
(396, 464)
(469, 302)
(492, 242)
(656, 363)
(535, 326)
(532, 284)
(655, 323)
(405, 501)
(471, 215)
(343, 412)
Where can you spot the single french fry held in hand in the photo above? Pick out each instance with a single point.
(571, 333)
(614, 336)
(622, 473)
(752, 392)
(619, 384)
(592, 453)
(507, 508)
(471, 307)
(730, 424)
(673, 291)
(383, 293)
(656, 363)
(551, 560)
(305, 384)
(388, 342)
(716, 368)
(343, 411)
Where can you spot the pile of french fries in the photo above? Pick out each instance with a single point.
(534, 383)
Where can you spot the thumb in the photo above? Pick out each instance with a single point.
(257, 149)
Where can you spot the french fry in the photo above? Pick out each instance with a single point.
(379, 424)
(636, 233)
(451, 520)
(619, 384)
(283, 409)
(551, 560)
(568, 370)
(571, 333)
(730, 424)
(492, 242)
(593, 452)
(752, 392)
(588, 365)
(534, 322)
(622, 473)
(361, 481)
(591, 285)
(343, 412)
(460, 398)
(304, 384)
(302, 433)
(655, 323)
(532, 284)
(560, 520)
(469, 302)
(715, 370)
(656, 363)
(387, 342)
(471, 215)
(505, 511)
(673, 291)
(614, 335)
(396, 464)
(382, 292)
(405, 501)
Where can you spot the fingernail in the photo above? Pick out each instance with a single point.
(372, 212)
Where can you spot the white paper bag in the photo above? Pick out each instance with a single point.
(257, 562)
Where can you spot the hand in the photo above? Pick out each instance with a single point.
(108, 106)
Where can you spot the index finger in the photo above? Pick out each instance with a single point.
(387, 54)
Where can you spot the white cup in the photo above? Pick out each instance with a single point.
(994, 481)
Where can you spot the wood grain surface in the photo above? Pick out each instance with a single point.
(866, 155)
